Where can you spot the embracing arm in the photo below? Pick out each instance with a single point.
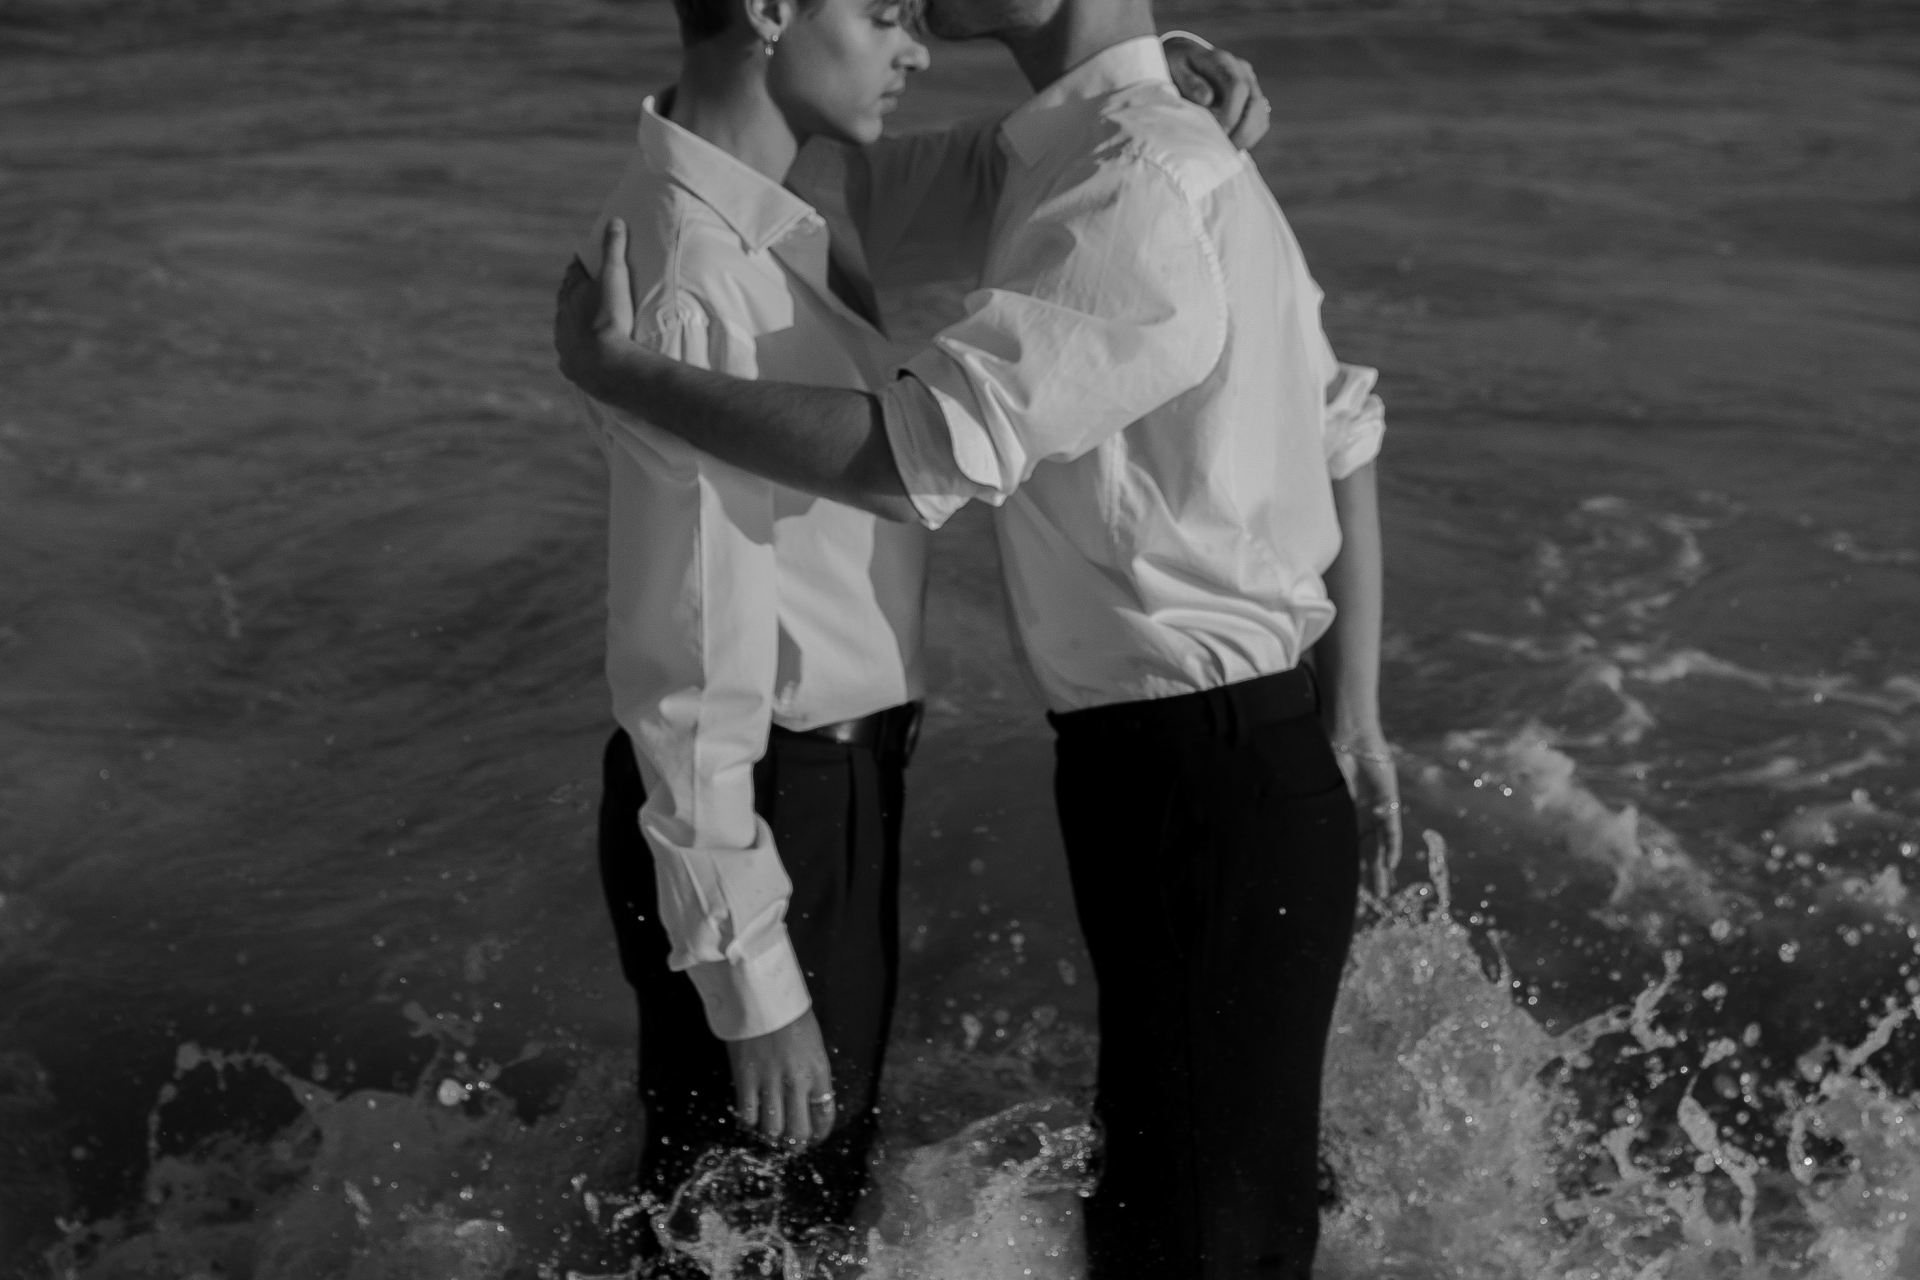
(822, 440)
(1107, 303)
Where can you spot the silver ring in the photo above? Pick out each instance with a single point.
(821, 1099)
(1391, 806)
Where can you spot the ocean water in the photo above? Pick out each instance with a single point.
(303, 969)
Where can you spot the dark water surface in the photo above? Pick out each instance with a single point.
(303, 970)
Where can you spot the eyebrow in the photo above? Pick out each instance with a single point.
(912, 14)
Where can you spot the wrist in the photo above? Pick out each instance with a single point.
(1377, 752)
(1358, 736)
(618, 370)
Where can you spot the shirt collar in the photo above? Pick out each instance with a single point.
(1037, 123)
(760, 210)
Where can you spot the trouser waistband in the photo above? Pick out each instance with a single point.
(894, 731)
(1227, 711)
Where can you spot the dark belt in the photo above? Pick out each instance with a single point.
(1226, 711)
(890, 732)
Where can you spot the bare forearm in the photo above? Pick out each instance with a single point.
(1349, 655)
(822, 440)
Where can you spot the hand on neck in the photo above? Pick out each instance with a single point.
(1076, 31)
(722, 97)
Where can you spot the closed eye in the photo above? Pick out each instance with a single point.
(896, 13)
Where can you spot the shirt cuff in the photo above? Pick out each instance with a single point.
(1356, 420)
(1202, 41)
(752, 997)
(917, 420)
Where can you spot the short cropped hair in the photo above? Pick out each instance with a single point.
(704, 19)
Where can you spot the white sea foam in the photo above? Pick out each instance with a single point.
(1455, 1125)
(1649, 868)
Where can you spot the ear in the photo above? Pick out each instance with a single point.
(767, 19)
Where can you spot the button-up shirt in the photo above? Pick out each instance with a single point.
(734, 603)
(1142, 386)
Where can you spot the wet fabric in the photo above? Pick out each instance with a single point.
(1215, 865)
(835, 811)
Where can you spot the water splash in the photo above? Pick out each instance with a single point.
(445, 1181)
(1465, 1142)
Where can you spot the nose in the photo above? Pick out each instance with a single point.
(915, 57)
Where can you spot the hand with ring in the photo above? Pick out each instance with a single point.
(1367, 762)
(1224, 84)
(783, 1085)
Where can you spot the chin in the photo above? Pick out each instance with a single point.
(859, 132)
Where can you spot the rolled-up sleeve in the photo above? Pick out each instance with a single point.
(1105, 304)
(1356, 420)
(916, 423)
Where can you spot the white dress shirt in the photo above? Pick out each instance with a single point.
(1143, 388)
(734, 603)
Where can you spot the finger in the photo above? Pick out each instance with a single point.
(1253, 123)
(1234, 87)
(1383, 830)
(799, 1117)
(1382, 865)
(746, 1100)
(616, 290)
(1192, 85)
(822, 1107)
(613, 242)
(773, 1114)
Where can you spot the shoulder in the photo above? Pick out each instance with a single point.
(1152, 126)
(687, 266)
(700, 250)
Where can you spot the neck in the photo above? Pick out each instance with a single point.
(722, 97)
(1077, 30)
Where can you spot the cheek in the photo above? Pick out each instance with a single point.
(852, 69)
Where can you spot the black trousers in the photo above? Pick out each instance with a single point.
(835, 814)
(1214, 857)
